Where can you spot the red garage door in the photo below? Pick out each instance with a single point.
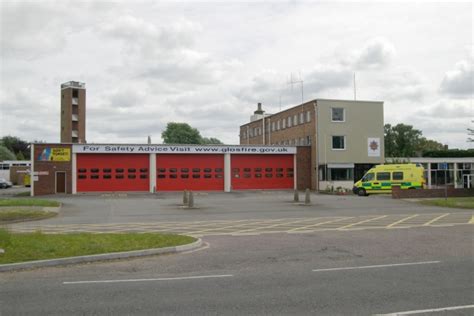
(189, 172)
(262, 172)
(112, 172)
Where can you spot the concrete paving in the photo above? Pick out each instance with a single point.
(143, 208)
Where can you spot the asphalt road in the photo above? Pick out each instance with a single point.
(385, 271)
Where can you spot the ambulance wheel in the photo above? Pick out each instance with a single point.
(361, 192)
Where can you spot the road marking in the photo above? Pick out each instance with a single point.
(318, 224)
(472, 220)
(453, 308)
(361, 222)
(155, 279)
(378, 266)
(435, 219)
(401, 221)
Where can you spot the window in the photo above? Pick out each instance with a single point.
(143, 176)
(207, 176)
(289, 121)
(302, 118)
(161, 176)
(258, 175)
(173, 176)
(184, 170)
(196, 176)
(383, 176)
(295, 120)
(119, 176)
(185, 176)
(283, 124)
(278, 125)
(82, 170)
(273, 126)
(173, 170)
(95, 176)
(218, 170)
(132, 170)
(397, 176)
(161, 170)
(337, 114)
(308, 140)
(196, 170)
(338, 142)
(247, 175)
(257, 170)
(302, 141)
(132, 176)
(94, 170)
(119, 170)
(268, 169)
(341, 174)
(219, 176)
(107, 176)
(308, 116)
(207, 170)
(82, 176)
(107, 170)
(143, 169)
(368, 177)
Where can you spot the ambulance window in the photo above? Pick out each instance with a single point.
(383, 175)
(397, 176)
(368, 177)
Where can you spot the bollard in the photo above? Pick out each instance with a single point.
(296, 197)
(307, 198)
(191, 200)
(185, 197)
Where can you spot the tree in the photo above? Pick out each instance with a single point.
(183, 133)
(404, 141)
(180, 133)
(210, 141)
(6, 154)
(17, 146)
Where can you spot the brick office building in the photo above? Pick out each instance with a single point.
(345, 138)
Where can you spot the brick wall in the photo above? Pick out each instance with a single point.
(398, 193)
(303, 168)
(46, 184)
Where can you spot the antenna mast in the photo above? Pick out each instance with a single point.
(355, 86)
(300, 81)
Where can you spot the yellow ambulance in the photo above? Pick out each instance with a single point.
(381, 179)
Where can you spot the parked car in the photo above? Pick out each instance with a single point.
(5, 184)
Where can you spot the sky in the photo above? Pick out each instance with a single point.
(208, 64)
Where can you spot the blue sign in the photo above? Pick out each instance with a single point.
(443, 166)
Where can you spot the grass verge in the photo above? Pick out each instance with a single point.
(27, 202)
(22, 194)
(39, 246)
(464, 202)
(7, 216)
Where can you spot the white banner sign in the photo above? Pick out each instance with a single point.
(180, 149)
(373, 147)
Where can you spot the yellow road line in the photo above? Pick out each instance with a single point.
(318, 224)
(435, 219)
(271, 226)
(361, 222)
(401, 221)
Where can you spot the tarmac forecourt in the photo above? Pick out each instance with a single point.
(265, 226)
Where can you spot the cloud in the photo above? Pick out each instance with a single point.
(376, 53)
(459, 82)
(447, 110)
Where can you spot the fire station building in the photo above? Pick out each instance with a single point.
(83, 168)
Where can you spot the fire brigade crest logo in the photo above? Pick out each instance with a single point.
(373, 147)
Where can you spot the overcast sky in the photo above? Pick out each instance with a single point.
(209, 63)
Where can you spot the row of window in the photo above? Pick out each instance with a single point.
(174, 170)
(109, 176)
(302, 141)
(261, 169)
(383, 176)
(278, 124)
(144, 176)
(260, 175)
(109, 170)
